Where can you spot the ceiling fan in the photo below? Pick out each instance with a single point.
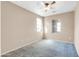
(48, 5)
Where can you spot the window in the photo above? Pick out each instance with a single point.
(39, 25)
(56, 26)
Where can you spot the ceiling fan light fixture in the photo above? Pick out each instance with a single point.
(48, 5)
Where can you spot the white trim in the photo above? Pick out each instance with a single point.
(63, 41)
(76, 50)
(20, 47)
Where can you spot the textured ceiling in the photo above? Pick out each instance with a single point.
(36, 7)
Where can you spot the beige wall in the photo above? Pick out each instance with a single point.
(67, 27)
(0, 28)
(18, 27)
(77, 28)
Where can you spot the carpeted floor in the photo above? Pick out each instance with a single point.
(45, 48)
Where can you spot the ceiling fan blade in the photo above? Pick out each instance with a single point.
(53, 2)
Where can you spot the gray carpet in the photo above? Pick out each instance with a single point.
(45, 48)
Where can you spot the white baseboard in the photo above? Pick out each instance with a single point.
(62, 41)
(20, 46)
(76, 50)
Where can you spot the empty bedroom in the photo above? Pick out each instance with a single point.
(39, 28)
